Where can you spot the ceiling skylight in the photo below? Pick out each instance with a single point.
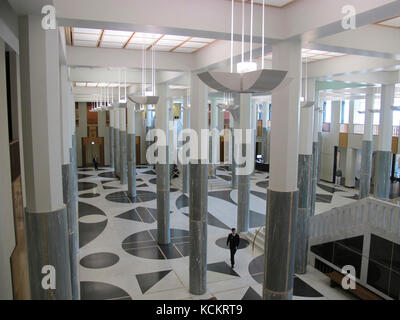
(83, 37)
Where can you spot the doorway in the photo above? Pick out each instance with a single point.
(92, 151)
(92, 147)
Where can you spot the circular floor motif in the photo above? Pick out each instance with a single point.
(222, 243)
(107, 175)
(83, 176)
(144, 245)
(99, 260)
(122, 197)
(92, 222)
(83, 186)
(91, 290)
(89, 195)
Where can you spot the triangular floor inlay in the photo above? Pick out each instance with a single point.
(148, 280)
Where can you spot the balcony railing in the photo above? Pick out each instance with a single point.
(376, 130)
(344, 128)
(326, 127)
(396, 131)
(358, 129)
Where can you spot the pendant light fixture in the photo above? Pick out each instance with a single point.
(247, 79)
(147, 98)
(122, 99)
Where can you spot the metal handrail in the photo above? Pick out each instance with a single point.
(255, 237)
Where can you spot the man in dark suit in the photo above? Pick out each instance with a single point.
(233, 243)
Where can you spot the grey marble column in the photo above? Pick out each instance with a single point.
(186, 175)
(243, 207)
(112, 159)
(163, 205)
(234, 165)
(70, 204)
(123, 158)
(132, 165)
(47, 241)
(266, 144)
(198, 228)
(280, 237)
(383, 161)
(366, 169)
(117, 150)
(74, 232)
(304, 212)
(315, 170)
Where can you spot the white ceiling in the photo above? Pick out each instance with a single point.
(83, 37)
(313, 55)
(274, 3)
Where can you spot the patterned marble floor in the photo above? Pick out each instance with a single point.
(121, 259)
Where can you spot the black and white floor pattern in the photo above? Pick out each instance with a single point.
(120, 258)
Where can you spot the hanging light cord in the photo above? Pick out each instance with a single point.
(263, 35)
(251, 31)
(243, 31)
(232, 21)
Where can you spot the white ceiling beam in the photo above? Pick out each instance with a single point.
(124, 58)
(372, 40)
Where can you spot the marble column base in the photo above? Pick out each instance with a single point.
(198, 213)
(233, 166)
(243, 204)
(266, 144)
(112, 159)
(315, 170)
(123, 174)
(117, 151)
(383, 163)
(304, 212)
(148, 143)
(131, 146)
(74, 222)
(366, 169)
(280, 238)
(72, 218)
(47, 240)
(163, 205)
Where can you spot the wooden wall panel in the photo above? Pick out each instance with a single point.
(343, 140)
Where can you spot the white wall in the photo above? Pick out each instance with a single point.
(7, 236)
(81, 131)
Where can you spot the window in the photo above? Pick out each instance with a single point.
(396, 114)
(259, 111)
(345, 112)
(327, 112)
(269, 112)
(377, 116)
(359, 106)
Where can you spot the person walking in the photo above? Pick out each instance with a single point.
(233, 243)
(96, 165)
(339, 175)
